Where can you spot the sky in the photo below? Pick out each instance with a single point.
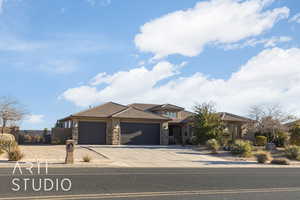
(59, 57)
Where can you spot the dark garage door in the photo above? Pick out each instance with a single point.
(140, 133)
(92, 133)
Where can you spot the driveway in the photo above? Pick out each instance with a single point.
(160, 156)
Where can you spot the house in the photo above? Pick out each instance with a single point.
(236, 125)
(34, 132)
(290, 125)
(134, 124)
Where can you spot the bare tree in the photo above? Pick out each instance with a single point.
(11, 112)
(269, 120)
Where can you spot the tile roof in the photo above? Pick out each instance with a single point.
(134, 113)
(167, 106)
(104, 110)
(290, 124)
(143, 106)
(232, 117)
(112, 109)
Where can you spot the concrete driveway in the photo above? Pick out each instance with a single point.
(157, 156)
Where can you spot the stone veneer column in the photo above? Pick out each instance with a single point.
(164, 133)
(114, 132)
(75, 131)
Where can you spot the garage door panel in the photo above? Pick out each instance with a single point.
(92, 133)
(140, 133)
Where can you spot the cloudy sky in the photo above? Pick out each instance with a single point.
(59, 57)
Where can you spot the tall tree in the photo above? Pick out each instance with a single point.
(269, 120)
(207, 122)
(11, 112)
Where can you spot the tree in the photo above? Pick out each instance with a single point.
(11, 112)
(295, 134)
(207, 122)
(269, 120)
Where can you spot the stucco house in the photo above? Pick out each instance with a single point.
(135, 124)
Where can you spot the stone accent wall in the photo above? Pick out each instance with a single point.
(75, 131)
(113, 132)
(164, 133)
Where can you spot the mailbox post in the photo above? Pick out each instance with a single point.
(70, 145)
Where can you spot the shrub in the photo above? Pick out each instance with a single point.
(280, 161)
(242, 148)
(281, 139)
(7, 142)
(292, 152)
(295, 135)
(261, 140)
(7, 137)
(15, 155)
(263, 157)
(213, 145)
(87, 158)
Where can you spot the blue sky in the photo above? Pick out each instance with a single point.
(58, 57)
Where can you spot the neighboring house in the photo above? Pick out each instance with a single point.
(34, 132)
(291, 124)
(135, 124)
(236, 125)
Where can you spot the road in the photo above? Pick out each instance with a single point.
(154, 184)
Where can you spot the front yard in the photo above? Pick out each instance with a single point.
(138, 156)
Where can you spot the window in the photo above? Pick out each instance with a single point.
(170, 114)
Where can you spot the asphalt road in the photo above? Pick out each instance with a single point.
(154, 184)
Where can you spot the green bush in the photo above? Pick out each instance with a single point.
(280, 161)
(292, 152)
(242, 148)
(295, 135)
(15, 155)
(213, 145)
(263, 157)
(281, 139)
(261, 140)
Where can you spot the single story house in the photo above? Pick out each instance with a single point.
(290, 125)
(135, 124)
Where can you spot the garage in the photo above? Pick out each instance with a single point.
(92, 133)
(140, 133)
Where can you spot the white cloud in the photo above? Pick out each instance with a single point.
(273, 76)
(34, 119)
(187, 32)
(266, 42)
(125, 84)
(295, 18)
